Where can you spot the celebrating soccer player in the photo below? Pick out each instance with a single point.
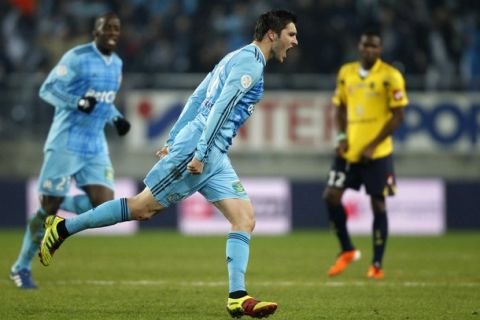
(195, 158)
(82, 89)
(369, 99)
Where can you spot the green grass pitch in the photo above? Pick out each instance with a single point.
(164, 275)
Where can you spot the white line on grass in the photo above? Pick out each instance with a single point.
(267, 283)
(262, 283)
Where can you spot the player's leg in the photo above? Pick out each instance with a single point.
(379, 236)
(240, 214)
(224, 190)
(338, 180)
(379, 179)
(53, 184)
(140, 207)
(21, 270)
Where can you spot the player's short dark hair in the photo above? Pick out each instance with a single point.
(372, 33)
(275, 20)
(108, 15)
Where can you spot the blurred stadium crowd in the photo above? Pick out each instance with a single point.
(438, 39)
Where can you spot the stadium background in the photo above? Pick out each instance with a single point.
(168, 46)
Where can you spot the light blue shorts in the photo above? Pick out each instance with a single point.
(60, 166)
(170, 182)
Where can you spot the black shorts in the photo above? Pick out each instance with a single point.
(377, 176)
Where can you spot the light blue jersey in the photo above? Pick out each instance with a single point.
(82, 71)
(205, 129)
(224, 100)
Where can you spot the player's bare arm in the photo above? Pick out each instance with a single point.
(162, 152)
(341, 125)
(387, 130)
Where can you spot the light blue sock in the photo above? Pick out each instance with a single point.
(76, 204)
(31, 241)
(238, 249)
(106, 214)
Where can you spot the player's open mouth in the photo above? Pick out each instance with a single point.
(112, 41)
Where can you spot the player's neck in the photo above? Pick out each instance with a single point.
(264, 47)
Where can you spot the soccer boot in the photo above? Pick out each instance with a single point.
(249, 306)
(343, 260)
(23, 279)
(375, 272)
(51, 240)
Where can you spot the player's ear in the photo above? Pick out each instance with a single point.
(271, 35)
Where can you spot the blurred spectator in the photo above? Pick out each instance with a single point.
(438, 39)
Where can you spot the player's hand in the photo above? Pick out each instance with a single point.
(195, 166)
(122, 125)
(342, 148)
(162, 153)
(86, 104)
(367, 154)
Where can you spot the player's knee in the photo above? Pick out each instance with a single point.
(332, 197)
(246, 222)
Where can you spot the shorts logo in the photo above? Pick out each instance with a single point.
(109, 174)
(174, 197)
(246, 81)
(237, 187)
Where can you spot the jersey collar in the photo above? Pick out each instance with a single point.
(261, 53)
(374, 69)
(108, 59)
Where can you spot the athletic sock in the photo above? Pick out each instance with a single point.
(338, 218)
(238, 249)
(76, 204)
(380, 235)
(106, 214)
(31, 241)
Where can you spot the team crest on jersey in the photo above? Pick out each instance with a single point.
(237, 187)
(397, 94)
(61, 70)
(246, 81)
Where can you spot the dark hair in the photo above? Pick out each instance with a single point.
(372, 33)
(105, 16)
(275, 20)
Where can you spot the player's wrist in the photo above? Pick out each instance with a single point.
(341, 136)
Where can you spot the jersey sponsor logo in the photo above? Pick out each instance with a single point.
(246, 81)
(397, 94)
(102, 96)
(61, 70)
(250, 109)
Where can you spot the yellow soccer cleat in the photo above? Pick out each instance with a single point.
(51, 240)
(249, 306)
(343, 260)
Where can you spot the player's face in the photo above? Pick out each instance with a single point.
(107, 34)
(370, 48)
(287, 40)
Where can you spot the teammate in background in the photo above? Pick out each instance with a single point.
(369, 99)
(82, 88)
(195, 158)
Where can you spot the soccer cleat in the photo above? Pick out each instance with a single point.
(375, 273)
(343, 260)
(249, 306)
(23, 279)
(51, 240)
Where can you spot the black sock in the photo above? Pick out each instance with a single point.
(380, 235)
(237, 294)
(62, 230)
(338, 218)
